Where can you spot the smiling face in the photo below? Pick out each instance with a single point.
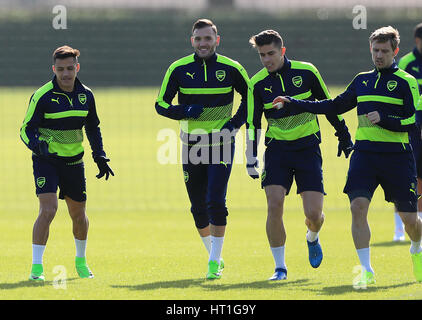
(205, 41)
(382, 54)
(66, 70)
(272, 57)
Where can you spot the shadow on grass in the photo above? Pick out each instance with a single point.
(213, 285)
(391, 244)
(29, 284)
(216, 285)
(344, 289)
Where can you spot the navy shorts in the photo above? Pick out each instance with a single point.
(51, 174)
(281, 166)
(395, 172)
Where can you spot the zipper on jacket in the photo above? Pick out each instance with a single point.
(378, 78)
(205, 70)
(282, 83)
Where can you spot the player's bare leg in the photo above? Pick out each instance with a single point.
(420, 199)
(361, 234)
(276, 232)
(80, 222)
(312, 206)
(360, 228)
(77, 211)
(204, 232)
(48, 208)
(413, 227)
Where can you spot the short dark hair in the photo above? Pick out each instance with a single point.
(266, 37)
(203, 23)
(385, 34)
(64, 52)
(417, 32)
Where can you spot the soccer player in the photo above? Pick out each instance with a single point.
(412, 64)
(385, 98)
(292, 144)
(205, 82)
(52, 130)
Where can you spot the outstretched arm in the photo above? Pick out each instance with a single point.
(320, 92)
(341, 104)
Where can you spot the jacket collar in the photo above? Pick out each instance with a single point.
(393, 68)
(78, 86)
(286, 67)
(211, 59)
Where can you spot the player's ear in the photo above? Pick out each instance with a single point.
(191, 40)
(78, 67)
(53, 68)
(396, 51)
(218, 40)
(283, 51)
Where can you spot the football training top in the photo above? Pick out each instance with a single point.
(58, 117)
(298, 129)
(392, 92)
(210, 83)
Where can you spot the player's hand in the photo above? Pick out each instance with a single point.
(279, 102)
(345, 143)
(251, 168)
(103, 167)
(193, 111)
(42, 149)
(374, 117)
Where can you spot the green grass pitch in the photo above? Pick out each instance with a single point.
(142, 241)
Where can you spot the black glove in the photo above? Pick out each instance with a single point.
(193, 111)
(345, 143)
(41, 149)
(104, 168)
(250, 167)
